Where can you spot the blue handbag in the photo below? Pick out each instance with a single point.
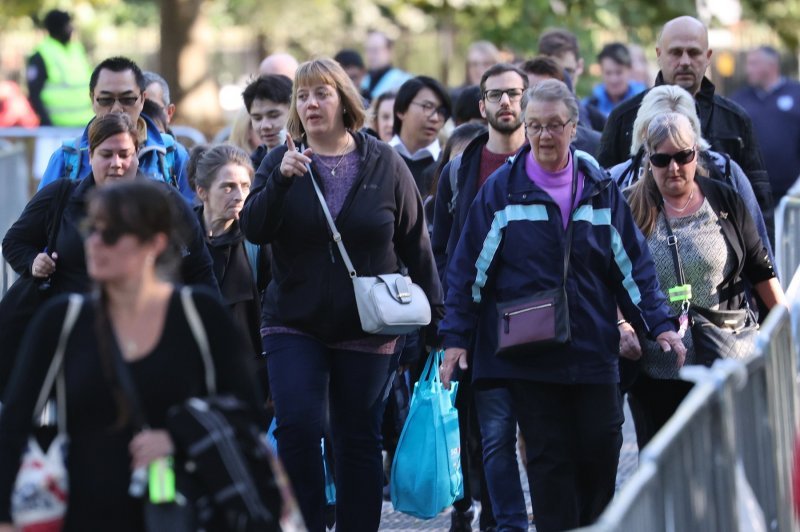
(426, 472)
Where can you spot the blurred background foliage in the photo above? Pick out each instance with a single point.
(199, 45)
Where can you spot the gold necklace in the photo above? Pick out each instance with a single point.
(341, 158)
(676, 209)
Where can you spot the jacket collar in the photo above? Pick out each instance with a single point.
(522, 189)
(706, 92)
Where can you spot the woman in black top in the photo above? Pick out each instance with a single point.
(138, 316)
(222, 180)
(113, 144)
(317, 353)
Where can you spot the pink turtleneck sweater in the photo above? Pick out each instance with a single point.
(557, 184)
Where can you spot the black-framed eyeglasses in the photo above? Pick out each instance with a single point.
(109, 235)
(124, 101)
(536, 130)
(431, 109)
(662, 160)
(495, 95)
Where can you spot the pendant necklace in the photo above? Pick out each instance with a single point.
(341, 158)
(685, 206)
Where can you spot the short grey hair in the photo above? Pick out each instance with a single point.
(552, 90)
(660, 100)
(152, 77)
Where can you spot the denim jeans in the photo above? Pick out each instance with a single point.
(305, 378)
(498, 426)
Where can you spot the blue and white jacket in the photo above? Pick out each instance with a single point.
(512, 246)
(152, 157)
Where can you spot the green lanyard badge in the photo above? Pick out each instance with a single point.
(681, 292)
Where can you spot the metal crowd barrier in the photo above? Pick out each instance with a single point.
(13, 182)
(787, 234)
(724, 460)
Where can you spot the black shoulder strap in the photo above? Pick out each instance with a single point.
(568, 250)
(61, 202)
(672, 243)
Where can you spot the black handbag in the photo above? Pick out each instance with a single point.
(716, 333)
(540, 321)
(25, 297)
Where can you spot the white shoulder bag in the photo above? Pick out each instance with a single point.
(387, 304)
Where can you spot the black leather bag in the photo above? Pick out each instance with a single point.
(722, 334)
(25, 297)
(716, 333)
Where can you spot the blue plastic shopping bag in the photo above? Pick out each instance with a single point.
(426, 472)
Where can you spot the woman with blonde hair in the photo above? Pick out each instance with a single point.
(674, 99)
(317, 353)
(700, 227)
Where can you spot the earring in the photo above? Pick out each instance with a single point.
(344, 111)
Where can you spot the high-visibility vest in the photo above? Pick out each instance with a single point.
(66, 91)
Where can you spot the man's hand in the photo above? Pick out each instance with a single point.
(452, 355)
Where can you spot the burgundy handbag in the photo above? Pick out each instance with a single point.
(539, 321)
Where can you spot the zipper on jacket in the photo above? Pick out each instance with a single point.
(330, 250)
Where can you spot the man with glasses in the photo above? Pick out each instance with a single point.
(117, 85)
(421, 108)
(501, 88)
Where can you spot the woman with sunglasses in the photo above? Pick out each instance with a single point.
(675, 99)
(718, 248)
(136, 318)
(113, 144)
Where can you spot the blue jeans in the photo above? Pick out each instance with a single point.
(305, 378)
(498, 426)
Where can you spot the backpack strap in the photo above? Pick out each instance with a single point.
(166, 158)
(455, 164)
(72, 157)
(253, 257)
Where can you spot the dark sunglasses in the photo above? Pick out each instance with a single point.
(662, 160)
(109, 235)
(125, 101)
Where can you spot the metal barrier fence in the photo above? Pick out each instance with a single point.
(724, 460)
(13, 183)
(787, 234)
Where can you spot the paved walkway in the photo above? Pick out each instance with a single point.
(628, 461)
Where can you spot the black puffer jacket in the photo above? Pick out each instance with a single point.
(725, 126)
(382, 226)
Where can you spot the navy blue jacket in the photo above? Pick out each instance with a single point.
(610, 263)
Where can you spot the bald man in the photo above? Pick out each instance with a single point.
(773, 103)
(683, 57)
(280, 63)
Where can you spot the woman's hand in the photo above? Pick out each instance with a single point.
(44, 266)
(294, 163)
(452, 355)
(148, 446)
(628, 342)
(671, 341)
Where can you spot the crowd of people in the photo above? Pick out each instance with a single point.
(541, 227)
